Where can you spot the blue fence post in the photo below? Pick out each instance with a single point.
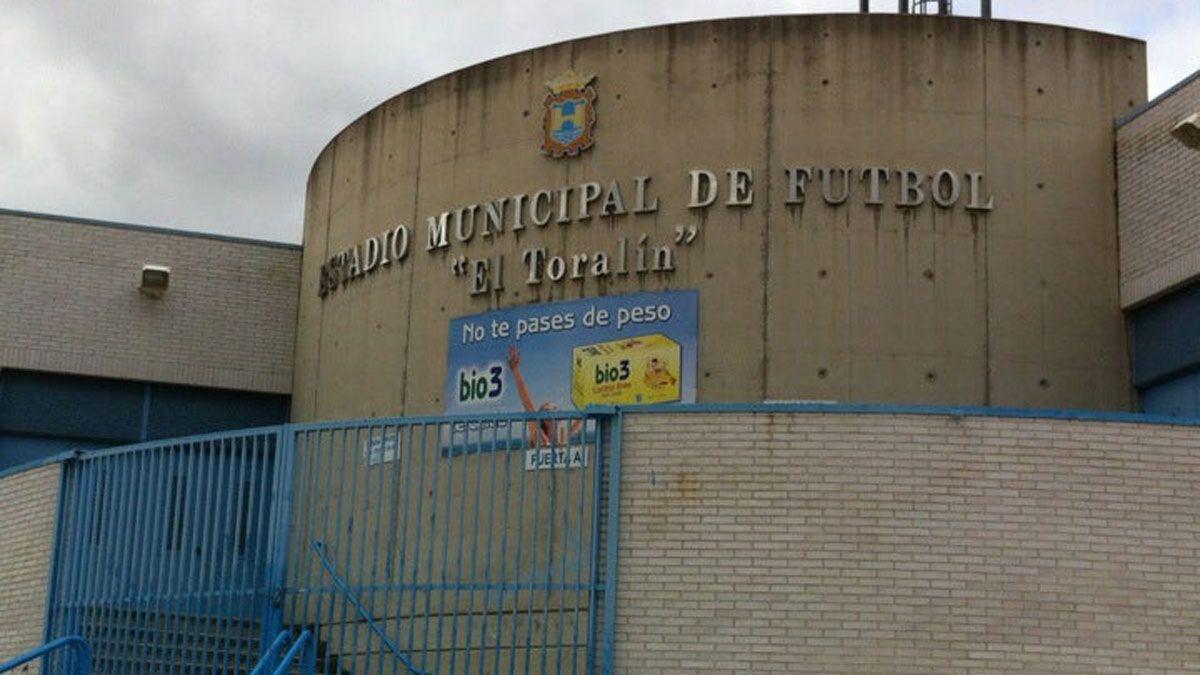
(308, 663)
(52, 582)
(282, 493)
(613, 533)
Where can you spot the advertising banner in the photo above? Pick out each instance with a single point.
(618, 350)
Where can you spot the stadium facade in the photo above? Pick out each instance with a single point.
(916, 291)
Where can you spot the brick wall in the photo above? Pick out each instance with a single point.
(28, 501)
(854, 543)
(1158, 199)
(71, 304)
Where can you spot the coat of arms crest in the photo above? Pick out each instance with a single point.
(569, 115)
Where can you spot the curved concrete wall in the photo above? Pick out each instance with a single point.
(1016, 305)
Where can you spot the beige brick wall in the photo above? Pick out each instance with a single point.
(1158, 199)
(71, 304)
(28, 501)
(855, 543)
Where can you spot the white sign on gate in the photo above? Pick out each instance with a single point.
(380, 449)
(569, 457)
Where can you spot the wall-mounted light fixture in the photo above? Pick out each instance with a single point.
(1188, 131)
(155, 279)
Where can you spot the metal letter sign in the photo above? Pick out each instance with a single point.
(569, 115)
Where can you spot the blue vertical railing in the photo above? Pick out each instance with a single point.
(421, 545)
(449, 544)
(161, 553)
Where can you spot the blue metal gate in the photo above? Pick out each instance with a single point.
(161, 553)
(422, 545)
(449, 545)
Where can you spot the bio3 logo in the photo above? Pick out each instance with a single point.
(481, 385)
(607, 372)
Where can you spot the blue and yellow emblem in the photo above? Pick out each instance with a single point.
(569, 115)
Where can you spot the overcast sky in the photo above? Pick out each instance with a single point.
(207, 114)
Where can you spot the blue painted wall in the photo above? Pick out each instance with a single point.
(1166, 353)
(1178, 397)
(43, 414)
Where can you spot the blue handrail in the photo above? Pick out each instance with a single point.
(266, 662)
(308, 660)
(319, 548)
(84, 666)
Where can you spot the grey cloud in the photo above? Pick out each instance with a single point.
(207, 114)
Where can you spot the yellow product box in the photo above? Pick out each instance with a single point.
(643, 369)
